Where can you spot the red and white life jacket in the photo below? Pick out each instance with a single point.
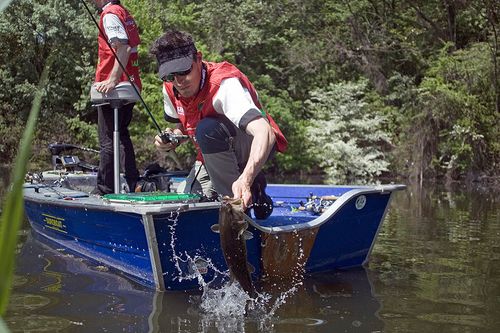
(192, 110)
(106, 57)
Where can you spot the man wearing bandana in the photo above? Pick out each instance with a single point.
(218, 107)
(121, 32)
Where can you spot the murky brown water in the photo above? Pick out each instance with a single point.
(435, 268)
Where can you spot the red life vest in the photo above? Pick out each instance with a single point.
(192, 110)
(106, 57)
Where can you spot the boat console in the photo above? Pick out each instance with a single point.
(62, 159)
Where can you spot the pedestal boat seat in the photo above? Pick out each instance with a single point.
(124, 93)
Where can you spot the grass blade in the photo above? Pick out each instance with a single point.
(13, 208)
(3, 327)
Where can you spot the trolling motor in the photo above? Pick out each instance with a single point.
(62, 160)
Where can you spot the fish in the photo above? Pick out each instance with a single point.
(233, 232)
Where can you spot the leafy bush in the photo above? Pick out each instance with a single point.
(346, 133)
(451, 128)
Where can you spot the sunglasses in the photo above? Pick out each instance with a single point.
(171, 77)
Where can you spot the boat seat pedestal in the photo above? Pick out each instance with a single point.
(124, 93)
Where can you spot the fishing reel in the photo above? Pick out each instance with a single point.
(34, 178)
(317, 204)
(168, 137)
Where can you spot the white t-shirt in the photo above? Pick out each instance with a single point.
(115, 30)
(232, 100)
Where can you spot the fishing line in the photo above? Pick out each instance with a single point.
(87, 149)
(195, 177)
(130, 79)
(41, 36)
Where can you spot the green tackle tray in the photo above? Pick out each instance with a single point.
(152, 197)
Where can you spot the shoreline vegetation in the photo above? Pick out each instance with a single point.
(362, 91)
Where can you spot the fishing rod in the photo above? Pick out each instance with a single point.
(57, 148)
(166, 137)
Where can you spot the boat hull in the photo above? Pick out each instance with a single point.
(171, 246)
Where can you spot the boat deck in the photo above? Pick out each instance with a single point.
(293, 205)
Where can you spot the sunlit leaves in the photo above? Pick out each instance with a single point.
(346, 133)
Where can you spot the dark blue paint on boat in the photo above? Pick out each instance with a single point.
(137, 238)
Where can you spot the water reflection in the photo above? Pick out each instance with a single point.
(75, 295)
(342, 302)
(435, 268)
(437, 261)
(64, 293)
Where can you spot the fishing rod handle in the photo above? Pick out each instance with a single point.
(168, 137)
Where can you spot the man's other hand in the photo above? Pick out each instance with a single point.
(166, 146)
(241, 189)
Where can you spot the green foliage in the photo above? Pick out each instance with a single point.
(83, 131)
(150, 17)
(451, 121)
(288, 41)
(29, 30)
(346, 132)
(286, 112)
(432, 69)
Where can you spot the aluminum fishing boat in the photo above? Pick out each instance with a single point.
(165, 240)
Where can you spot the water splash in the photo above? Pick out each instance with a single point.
(178, 258)
(229, 308)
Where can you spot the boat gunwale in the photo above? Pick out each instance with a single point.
(97, 203)
(331, 211)
(161, 208)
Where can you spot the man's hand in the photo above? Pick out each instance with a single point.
(166, 146)
(123, 53)
(105, 86)
(262, 144)
(241, 189)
